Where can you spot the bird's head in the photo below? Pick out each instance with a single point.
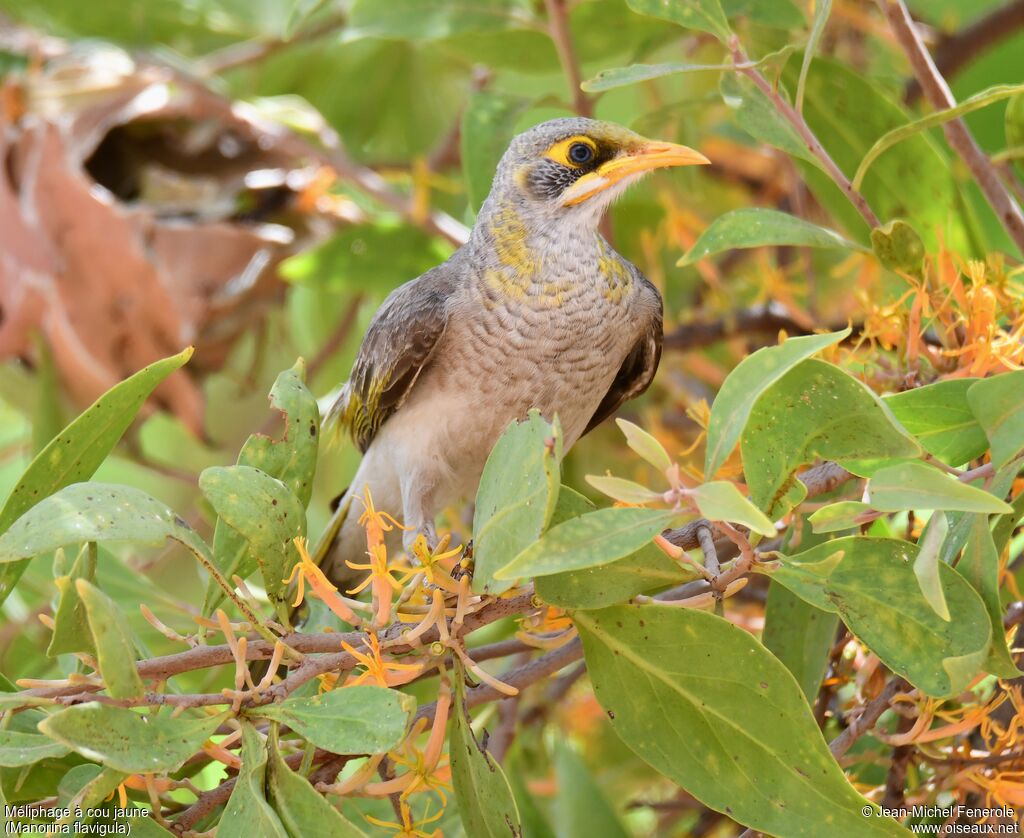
(574, 168)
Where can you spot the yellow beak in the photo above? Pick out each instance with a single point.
(646, 157)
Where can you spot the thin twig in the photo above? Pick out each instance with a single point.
(937, 91)
(558, 28)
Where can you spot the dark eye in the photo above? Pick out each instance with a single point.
(580, 153)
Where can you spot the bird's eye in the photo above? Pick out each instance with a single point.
(580, 153)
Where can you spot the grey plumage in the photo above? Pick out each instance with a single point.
(536, 310)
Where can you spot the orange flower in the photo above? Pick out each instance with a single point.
(319, 584)
(383, 583)
(409, 828)
(386, 673)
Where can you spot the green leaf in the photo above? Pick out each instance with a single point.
(998, 404)
(940, 418)
(972, 103)
(488, 124)
(751, 377)
(758, 115)
(486, 804)
(782, 14)
(596, 587)
(622, 490)
(362, 719)
(516, 497)
(703, 15)
(248, 813)
(591, 540)
(980, 566)
(423, 20)
(822, 9)
(926, 565)
(125, 741)
(722, 501)
(753, 227)
(1014, 127)
(266, 514)
(302, 809)
(871, 583)
(916, 485)
(84, 787)
(70, 623)
(582, 810)
(709, 707)
(839, 516)
(814, 410)
(77, 451)
(95, 512)
(112, 639)
(645, 445)
(800, 636)
(634, 73)
(290, 459)
(898, 247)
(17, 749)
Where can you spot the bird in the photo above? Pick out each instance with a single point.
(535, 311)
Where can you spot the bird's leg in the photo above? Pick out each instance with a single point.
(426, 529)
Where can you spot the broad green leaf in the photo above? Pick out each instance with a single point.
(431, 19)
(915, 485)
(822, 9)
(248, 813)
(972, 103)
(645, 445)
(634, 73)
(926, 565)
(77, 451)
(720, 500)
(751, 377)
(754, 227)
(1014, 128)
(596, 587)
(623, 490)
(488, 124)
(17, 749)
(758, 115)
(112, 640)
(266, 514)
(960, 522)
(290, 459)
(486, 804)
(815, 410)
(582, 810)
(998, 404)
(800, 636)
(1004, 526)
(591, 540)
(709, 707)
(871, 583)
(898, 247)
(361, 719)
(70, 624)
(516, 498)
(980, 566)
(835, 517)
(123, 740)
(95, 512)
(303, 811)
(705, 15)
(140, 826)
(847, 112)
(84, 787)
(782, 14)
(940, 418)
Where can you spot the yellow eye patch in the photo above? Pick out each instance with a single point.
(560, 151)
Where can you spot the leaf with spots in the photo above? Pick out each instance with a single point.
(704, 15)
(17, 748)
(266, 514)
(486, 804)
(126, 741)
(70, 624)
(112, 640)
(871, 584)
(814, 410)
(704, 703)
(361, 719)
(77, 451)
(96, 512)
(290, 459)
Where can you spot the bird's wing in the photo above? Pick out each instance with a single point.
(637, 370)
(398, 345)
